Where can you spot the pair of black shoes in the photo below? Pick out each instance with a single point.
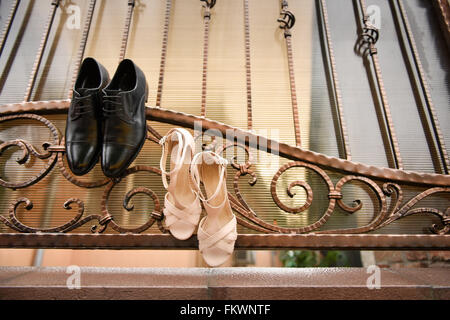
(106, 118)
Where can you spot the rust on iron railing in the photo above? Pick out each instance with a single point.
(207, 6)
(287, 21)
(83, 42)
(391, 187)
(162, 66)
(248, 138)
(366, 46)
(126, 29)
(243, 241)
(437, 132)
(248, 73)
(336, 90)
(8, 24)
(387, 186)
(42, 45)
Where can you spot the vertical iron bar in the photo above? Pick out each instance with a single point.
(387, 112)
(426, 91)
(206, 18)
(48, 26)
(126, 29)
(335, 80)
(7, 28)
(293, 91)
(80, 54)
(248, 66)
(163, 53)
(287, 37)
(384, 101)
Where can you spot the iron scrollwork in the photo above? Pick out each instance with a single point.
(156, 215)
(380, 219)
(53, 153)
(28, 149)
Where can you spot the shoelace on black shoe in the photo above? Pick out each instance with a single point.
(82, 105)
(111, 105)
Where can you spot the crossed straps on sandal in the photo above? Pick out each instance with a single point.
(223, 239)
(216, 247)
(182, 219)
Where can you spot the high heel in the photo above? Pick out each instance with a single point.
(217, 231)
(182, 207)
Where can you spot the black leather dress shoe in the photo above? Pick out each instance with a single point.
(83, 127)
(125, 128)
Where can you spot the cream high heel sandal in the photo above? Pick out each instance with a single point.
(217, 231)
(182, 207)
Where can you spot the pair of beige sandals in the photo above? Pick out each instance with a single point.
(182, 204)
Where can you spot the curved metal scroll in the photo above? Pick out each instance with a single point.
(385, 184)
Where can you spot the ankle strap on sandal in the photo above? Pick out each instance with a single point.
(185, 141)
(195, 176)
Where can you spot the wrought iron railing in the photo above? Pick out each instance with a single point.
(386, 184)
(395, 193)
